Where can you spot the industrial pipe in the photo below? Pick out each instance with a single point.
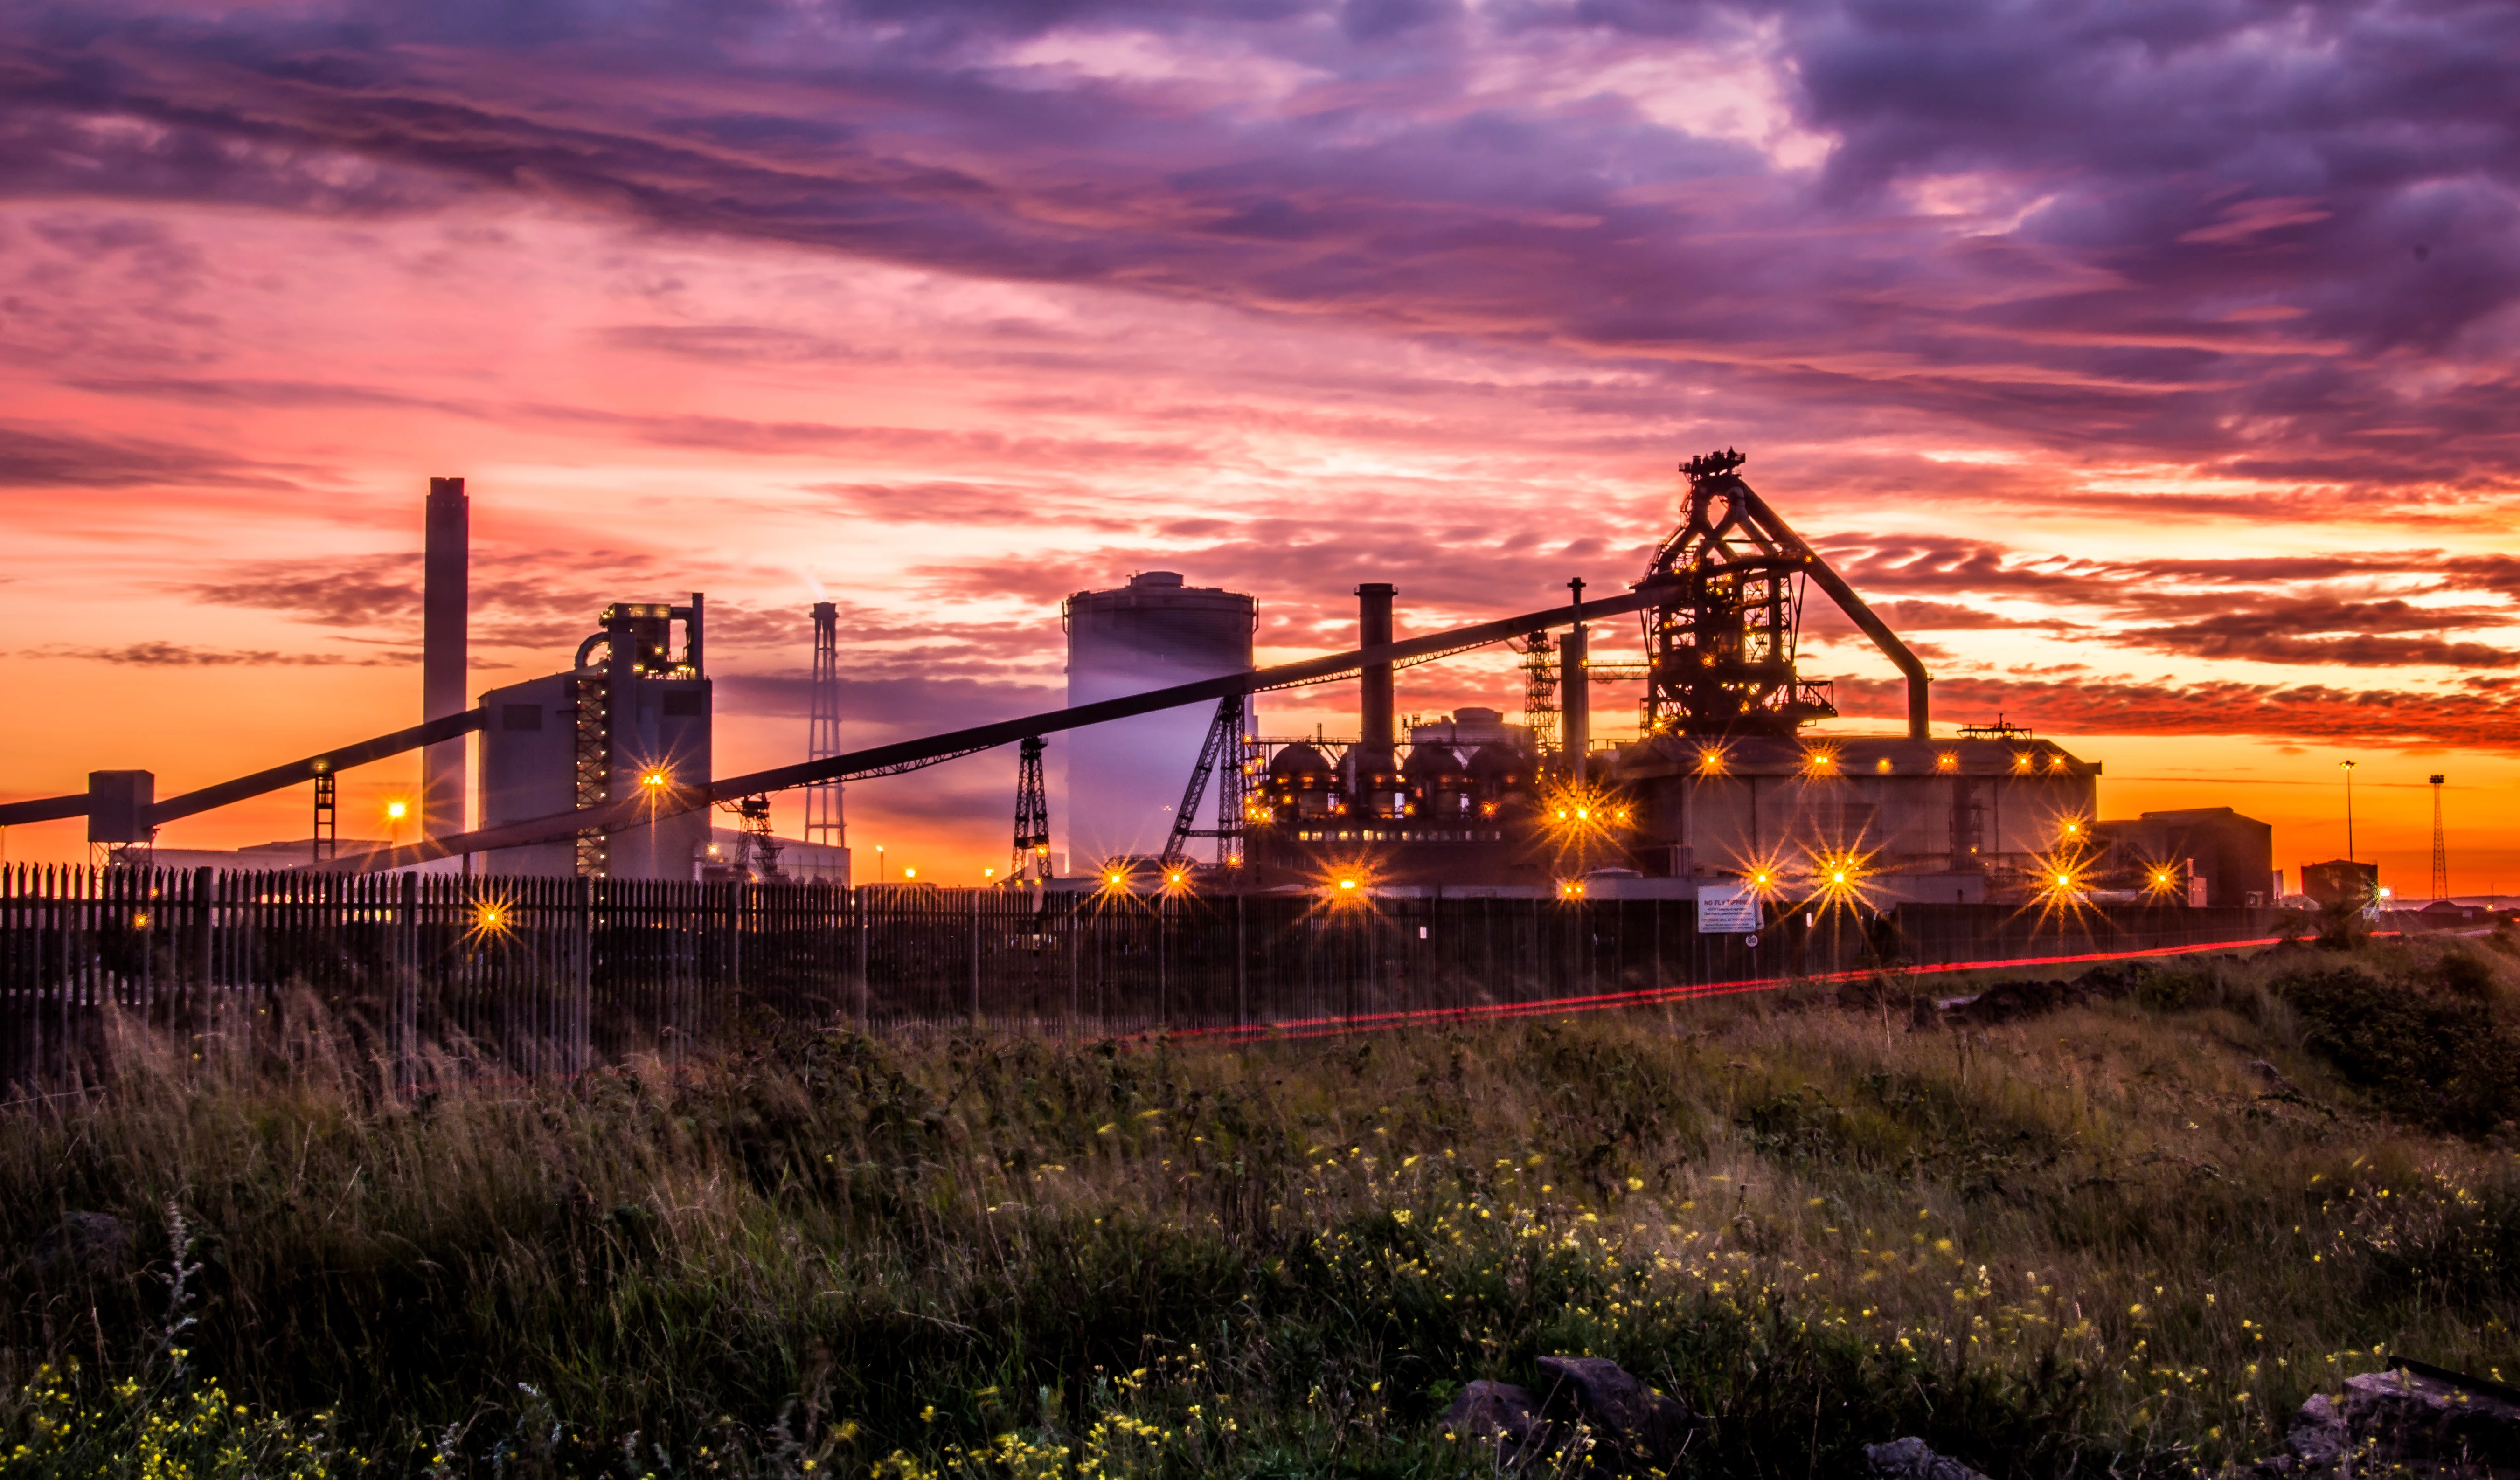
(452, 727)
(1919, 711)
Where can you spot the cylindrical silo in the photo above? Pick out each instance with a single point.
(1125, 778)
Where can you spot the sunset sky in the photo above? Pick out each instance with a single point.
(2151, 365)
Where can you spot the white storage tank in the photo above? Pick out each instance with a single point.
(1125, 778)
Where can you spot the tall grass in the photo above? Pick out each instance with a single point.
(2093, 1240)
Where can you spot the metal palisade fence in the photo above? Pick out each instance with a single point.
(541, 977)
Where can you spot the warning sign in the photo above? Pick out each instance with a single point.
(1727, 908)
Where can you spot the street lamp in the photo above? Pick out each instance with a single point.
(879, 862)
(2348, 768)
(395, 811)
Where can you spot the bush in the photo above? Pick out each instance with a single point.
(2464, 974)
(2440, 1060)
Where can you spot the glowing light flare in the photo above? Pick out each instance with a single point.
(493, 916)
(1711, 759)
(1819, 760)
(1576, 813)
(1841, 879)
(1763, 873)
(1345, 883)
(2061, 883)
(1946, 762)
(396, 811)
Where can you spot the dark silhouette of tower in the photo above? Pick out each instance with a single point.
(1032, 815)
(2441, 853)
(444, 613)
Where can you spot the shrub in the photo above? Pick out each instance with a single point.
(2439, 1060)
(2467, 976)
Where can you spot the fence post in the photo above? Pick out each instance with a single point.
(858, 901)
(581, 939)
(204, 986)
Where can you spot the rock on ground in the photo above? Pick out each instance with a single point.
(1911, 1459)
(1632, 1428)
(2413, 1421)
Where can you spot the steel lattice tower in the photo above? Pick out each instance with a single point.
(1540, 690)
(1242, 767)
(2441, 852)
(1032, 815)
(825, 820)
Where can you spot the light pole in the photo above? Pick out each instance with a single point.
(879, 862)
(2348, 768)
(394, 813)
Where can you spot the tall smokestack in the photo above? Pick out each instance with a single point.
(1575, 690)
(1373, 696)
(446, 609)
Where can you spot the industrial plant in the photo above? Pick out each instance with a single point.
(603, 768)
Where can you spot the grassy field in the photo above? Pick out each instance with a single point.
(2126, 1234)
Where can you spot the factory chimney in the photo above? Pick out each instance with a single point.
(446, 609)
(1375, 729)
(1575, 692)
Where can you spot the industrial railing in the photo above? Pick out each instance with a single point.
(541, 976)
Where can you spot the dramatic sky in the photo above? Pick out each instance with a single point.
(2149, 362)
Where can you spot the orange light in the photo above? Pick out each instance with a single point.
(1946, 762)
(2064, 881)
(1839, 878)
(910, 873)
(397, 810)
(1883, 764)
(1347, 883)
(652, 778)
(2073, 828)
(1116, 879)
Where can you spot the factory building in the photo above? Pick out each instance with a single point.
(1721, 785)
(2201, 855)
(1124, 779)
(1934, 821)
(636, 723)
